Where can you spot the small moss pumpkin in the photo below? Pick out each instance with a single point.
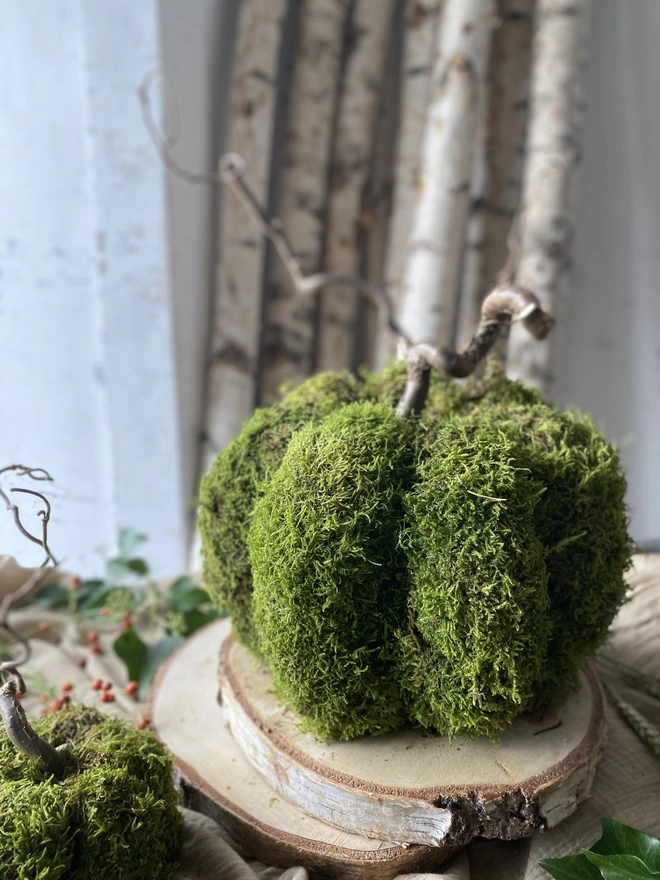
(114, 814)
(451, 570)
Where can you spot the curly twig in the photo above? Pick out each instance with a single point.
(21, 733)
(13, 715)
(500, 308)
(231, 169)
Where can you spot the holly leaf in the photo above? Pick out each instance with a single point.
(129, 541)
(88, 591)
(51, 596)
(621, 867)
(133, 651)
(620, 839)
(184, 595)
(157, 654)
(571, 868)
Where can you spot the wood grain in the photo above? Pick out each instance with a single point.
(413, 787)
(219, 782)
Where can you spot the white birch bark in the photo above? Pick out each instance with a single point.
(557, 105)
(238, 295)
(434, 253)
(356, 126)
(506, 120)
(289, 325)
(419, 45)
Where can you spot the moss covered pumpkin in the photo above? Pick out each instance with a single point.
(450, 570)
(113, 815)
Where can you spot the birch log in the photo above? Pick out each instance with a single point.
(419, 44)
(557, 105)
(434, 253)
(356, 125)
(507, 103)
(231, 382)
(290, 319)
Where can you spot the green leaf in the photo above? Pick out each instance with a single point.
(571, 868)
(196, 619)
(620, 839)
(51, 596)
(133, 651)
(157, 654)
(138, 566)
(129, 541)
(184, 595)
(621, 867)
(88, 591)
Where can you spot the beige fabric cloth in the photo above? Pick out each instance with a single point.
(627, 785)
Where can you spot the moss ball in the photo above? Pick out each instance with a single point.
(452, 570)
(329, 574)
(114, 814)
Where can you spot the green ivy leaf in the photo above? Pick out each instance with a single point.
(571, 868)
(621, 867)
(129, 541)
(157, 654)
(133, 651)
(51, 596)
(88, 591)
(196, 619)
(620, 839)
(184, 595)
(137, 566)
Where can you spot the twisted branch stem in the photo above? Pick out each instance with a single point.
(21, 733)
(13, 715)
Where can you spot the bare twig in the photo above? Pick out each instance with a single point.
(231, 169)
(21, 733)
(13, 715)
(500, 308)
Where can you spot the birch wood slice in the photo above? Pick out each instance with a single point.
(412, 787)
(221, 783)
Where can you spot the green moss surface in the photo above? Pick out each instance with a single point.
(329, 575)
(237, 479)
(477, 630)
(113, 815)
(386, 594)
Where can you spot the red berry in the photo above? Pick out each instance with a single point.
(127, 621)
(54, 706)
(82, 662)
(75, 583)
(107, 697)
(131, 688)
(65, 700)
(92, 636)
(97, 684)
(106, 686)
(144, 722)
(67, 687)
(44, 626)
(105, 611)
(95, 649)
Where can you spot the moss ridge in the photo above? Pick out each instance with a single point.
(329, 574)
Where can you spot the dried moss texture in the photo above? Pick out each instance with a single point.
(237, 479)
(475, 641)
(329, 576)
(466, 582)
(113, 815)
